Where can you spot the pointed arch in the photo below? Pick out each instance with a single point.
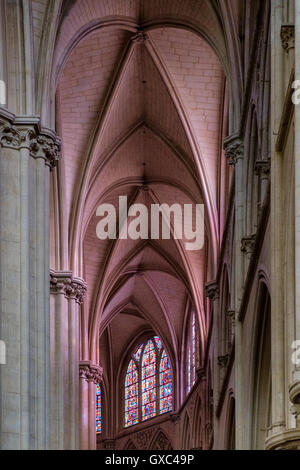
(197, 424)
(230, 424)
(132, 394)
(186, 433)
(160, 441)
(149, 388)
(130, 445)
(261, 367)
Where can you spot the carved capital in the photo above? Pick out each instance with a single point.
(223, 360)
(84, 368)
(140, 37)
(45, 147)
(10, 136)
(63, 282)
(234, 149)
(90, 372)
(263, 168)
(287, 35)
(247, 244)
(212, 290)
(24, 132)
(96, 374)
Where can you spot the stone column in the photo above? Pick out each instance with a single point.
(294, 388)
(26, 153)
(234, 151)
(90, 375)
(67, 294)
(212, 292)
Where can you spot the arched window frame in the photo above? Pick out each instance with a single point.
(159, 353)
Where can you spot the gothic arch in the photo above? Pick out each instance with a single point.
(252, 196)
(197, 424)
(186, 433)
(130, 445)
(141, 339)
(261, 378)
(160, 441)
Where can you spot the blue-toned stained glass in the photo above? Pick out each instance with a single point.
(149, 382)
(165, 385)
(158, 342)
(131, 395)
(98, 410)
(139, 352)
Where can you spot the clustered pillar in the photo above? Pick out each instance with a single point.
(67, 294)
(27, 153)
(90, 375)
(234, 151)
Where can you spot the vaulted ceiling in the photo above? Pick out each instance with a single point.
(141, 115)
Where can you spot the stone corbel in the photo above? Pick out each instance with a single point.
(287, 35)
(263, 169)
(247, 244)
(26, 132)
(63, 282)
(223, 360)
(230, 314)
(234, 149)
(175, 418)
(212, 290)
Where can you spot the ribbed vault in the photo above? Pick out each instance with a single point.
(140, 107)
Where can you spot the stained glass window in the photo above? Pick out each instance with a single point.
(148, 383)
(98, 410)
(132, 395)
(139, 352)
(158, 342)
(165, 382)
